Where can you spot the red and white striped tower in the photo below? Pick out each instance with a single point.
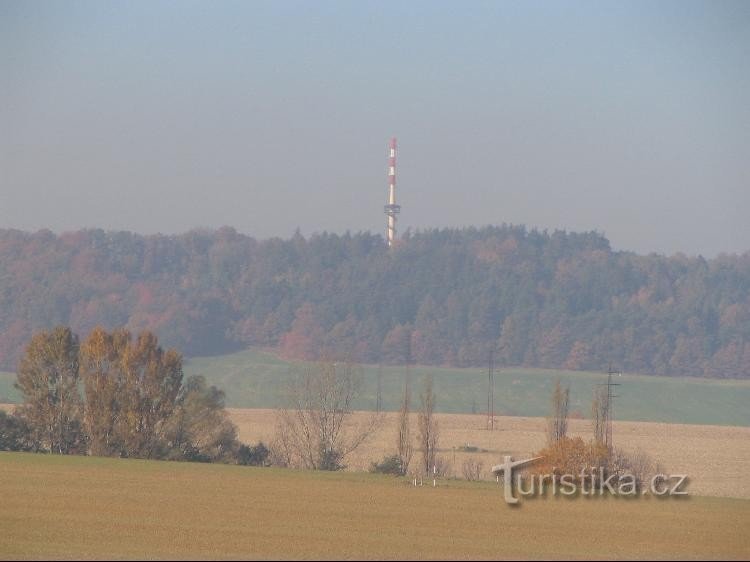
(391, 209)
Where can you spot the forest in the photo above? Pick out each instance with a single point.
(440, 297)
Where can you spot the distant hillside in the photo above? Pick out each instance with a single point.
(256, 379)
(551, 300)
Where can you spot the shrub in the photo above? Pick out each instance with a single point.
(253, 456)
(14, 433)
(637, 463)
(442, 467)
(472, 469)
(569, 455)
(389, 465)
(331, 459)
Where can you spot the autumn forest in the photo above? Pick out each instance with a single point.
(441, 297)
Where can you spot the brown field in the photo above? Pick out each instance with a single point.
(67, 507)
(714, 457)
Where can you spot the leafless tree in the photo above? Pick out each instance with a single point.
(405, 447)
(472, 469)
(442, 466)
(557, 423)
(600, 414)
(638, 463)
(428, 427)
(316, 428)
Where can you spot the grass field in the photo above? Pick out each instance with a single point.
(254, 379)
(7, 392)
(79, 507)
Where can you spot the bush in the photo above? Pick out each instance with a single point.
(472, 469)
(389, 465)
(330, 459)
(14, 433)
(571, 455)
(253, 456)
(442, 467)
(637, 463)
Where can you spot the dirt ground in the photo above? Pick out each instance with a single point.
(714, 457)
(77, 508)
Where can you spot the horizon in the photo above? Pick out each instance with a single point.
(412, 231)
(629, 119)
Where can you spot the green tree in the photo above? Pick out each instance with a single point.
(151, 382)
(103, 383)
(48, 380)
(199, 428)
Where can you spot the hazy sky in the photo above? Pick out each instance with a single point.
(630, 118)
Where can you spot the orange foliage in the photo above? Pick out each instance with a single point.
(569, 456)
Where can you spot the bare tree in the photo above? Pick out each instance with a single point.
(600, 414)
(557, 423)
(472, 469)
(405, 448)
(315, 428)
(428, 427)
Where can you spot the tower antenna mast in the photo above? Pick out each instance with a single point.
(391, 209)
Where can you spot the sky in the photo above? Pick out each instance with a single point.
(628, 118)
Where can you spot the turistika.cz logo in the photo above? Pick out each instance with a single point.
(590, 481)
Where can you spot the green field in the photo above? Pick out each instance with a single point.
(7, 392)
(83, 507)
(254, 379)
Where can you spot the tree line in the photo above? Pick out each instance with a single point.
(117, 395)
(441, 297)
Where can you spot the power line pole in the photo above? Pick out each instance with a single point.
(407, 376)
(379, 396)
(491, 391)
(610, 403)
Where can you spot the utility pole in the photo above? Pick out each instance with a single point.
(610, 403)
(408, 362)
(491, 391)
(379, 396)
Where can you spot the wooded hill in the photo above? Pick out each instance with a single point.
(448, 296)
